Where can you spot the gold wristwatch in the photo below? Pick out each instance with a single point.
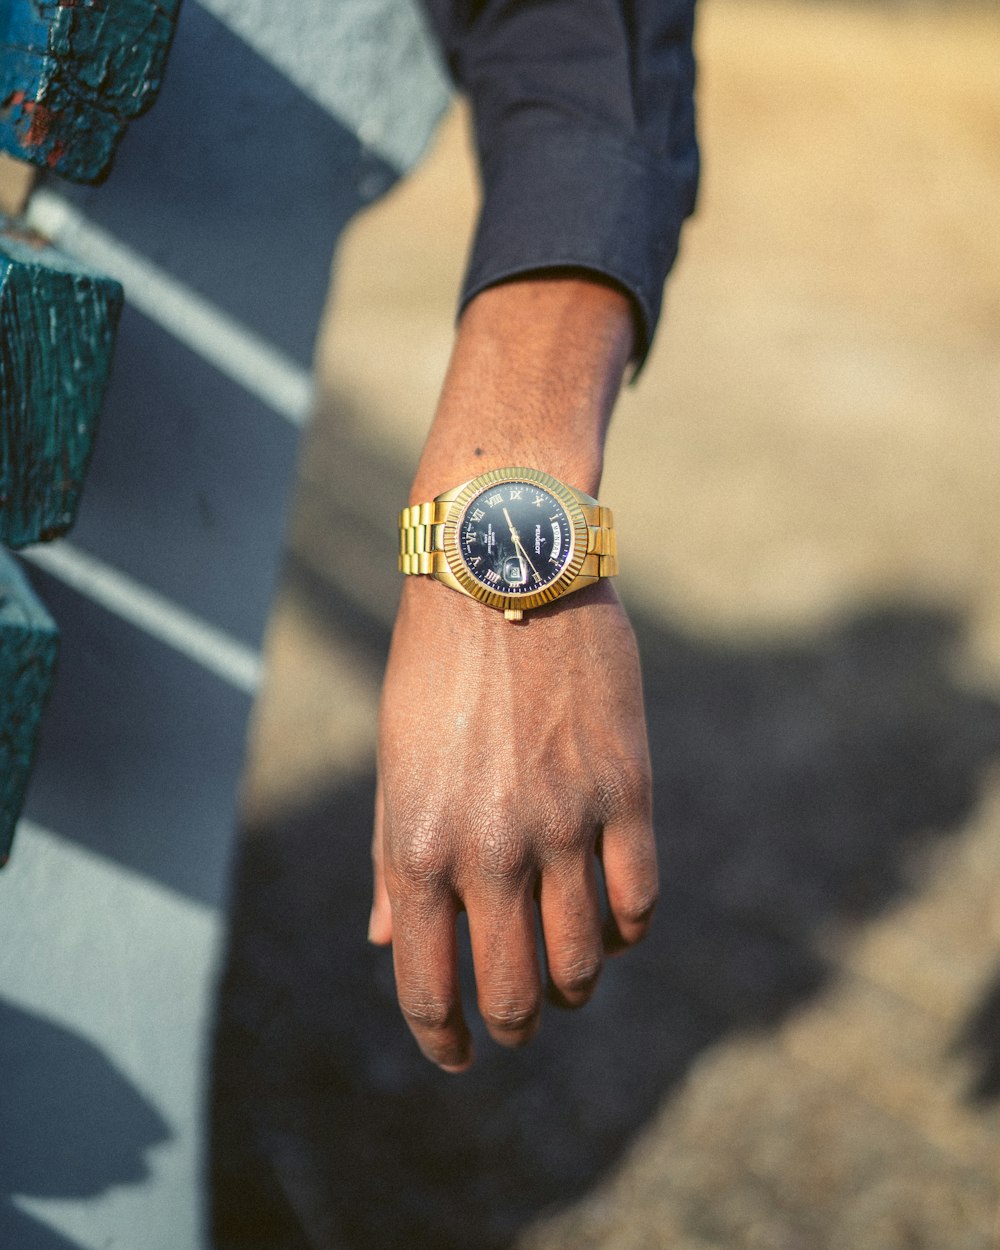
(512, 538)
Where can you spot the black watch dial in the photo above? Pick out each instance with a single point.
(515, 538)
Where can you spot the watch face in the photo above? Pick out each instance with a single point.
(515, 538)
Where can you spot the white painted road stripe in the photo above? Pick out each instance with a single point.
(395, 89)
(51, 844)
(238, 353)
(212, 648)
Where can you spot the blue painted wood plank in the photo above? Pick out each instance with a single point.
(57, 332)
(73, 74)
(29, 645)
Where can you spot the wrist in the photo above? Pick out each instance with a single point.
(534, 375)
(578, 467)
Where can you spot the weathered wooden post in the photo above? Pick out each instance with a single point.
(28, 645)
(57, 329)
(72, 75)
(57, 326)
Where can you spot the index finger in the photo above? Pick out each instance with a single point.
(426, 965)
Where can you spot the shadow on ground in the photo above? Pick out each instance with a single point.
(796, 784)
(981, 1040)
(50, 1126)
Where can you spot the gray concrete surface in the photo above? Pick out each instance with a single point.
(806, 1053)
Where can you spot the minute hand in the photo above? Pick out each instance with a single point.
(518, 544)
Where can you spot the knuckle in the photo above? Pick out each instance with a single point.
(428, 1013)
(627, 784)
(500, 856)
(566, 838)
(579, 978)
(417, 855)
(513, 1018)
(636, 910)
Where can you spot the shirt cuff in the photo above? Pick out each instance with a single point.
(560, 196)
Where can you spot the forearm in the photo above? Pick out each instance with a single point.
(534, 375)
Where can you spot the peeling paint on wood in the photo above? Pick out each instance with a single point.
(74, 73)
(29, 645)
(57, 330)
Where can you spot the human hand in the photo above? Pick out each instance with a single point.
(512, 757)
(513, 766)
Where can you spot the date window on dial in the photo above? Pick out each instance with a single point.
(513, 571)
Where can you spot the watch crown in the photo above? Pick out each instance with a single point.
(513, 614)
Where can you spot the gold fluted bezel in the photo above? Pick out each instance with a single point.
(463, 574)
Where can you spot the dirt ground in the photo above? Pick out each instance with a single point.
(806, 1054)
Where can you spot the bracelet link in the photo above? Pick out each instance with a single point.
(602, 541)
(421, 537)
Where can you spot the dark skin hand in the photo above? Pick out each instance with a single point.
(513, 762)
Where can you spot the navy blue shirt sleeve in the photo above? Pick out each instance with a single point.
(584, 118)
